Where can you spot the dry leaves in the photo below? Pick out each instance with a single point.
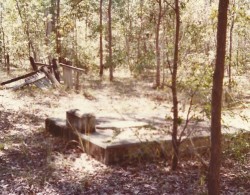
(33, 162)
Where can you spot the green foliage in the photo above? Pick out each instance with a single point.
(196, 82)
(237, 146)
(1, 146)
(180, 121)
(118, 57)
(134, 27)
(144, 63)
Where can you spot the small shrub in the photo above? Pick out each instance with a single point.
(237, 146)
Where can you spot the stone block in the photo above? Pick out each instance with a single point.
(82, 122)
(57, 127)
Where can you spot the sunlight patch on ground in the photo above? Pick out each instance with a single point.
(82, 163)
(239, 120)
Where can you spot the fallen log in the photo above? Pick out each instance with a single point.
(41, 78)
(50, 76)
(18, 78)
(30, 80)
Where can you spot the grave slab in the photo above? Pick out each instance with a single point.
(113, 140)
(120, 141)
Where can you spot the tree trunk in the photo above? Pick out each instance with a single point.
(58, 34)
(4, 47)
(75, 46)
(110, 42)
(101, 45)
(231, 49)
(128, 36)
(49, 25)
(55, 69)
(53, 14)
(174, 89)
(3, 37)
(26, 31)
(33, 64)
(158, 52)
(86, 28)
(215, 159)
(139, 39)
(8, 63)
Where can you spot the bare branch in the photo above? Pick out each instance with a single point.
(170, 5)
(77, 3)
(169, 64)
(187, 119)
(203, 162)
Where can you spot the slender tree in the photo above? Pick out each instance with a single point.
(175, 141)
(231, 46)
(26, 27)
(215, 159)
(140, 31)
(3, 49)
(128, 35)
(53, 14)
(110, 41)
(158, 51)
(58, 34)
(101, 40)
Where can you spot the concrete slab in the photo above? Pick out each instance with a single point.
(116, 140)
(123, 141)
(120, 124)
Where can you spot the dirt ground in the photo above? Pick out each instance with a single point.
(34, 162)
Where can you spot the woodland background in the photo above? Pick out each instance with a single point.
(110, 39)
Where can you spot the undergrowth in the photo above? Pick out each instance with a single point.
(237, 147)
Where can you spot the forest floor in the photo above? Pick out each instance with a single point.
(34, 162)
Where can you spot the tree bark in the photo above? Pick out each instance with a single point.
(158, 52)
(3, 37)
(101, 39)
(128, 36)
(52, 12)
(8, 63)
(231, 49)
(4, 48)
(139, 38)
(33, 64)
(175, 142)
(58, 34)
(55, 69)
(111, 77)
(75, 42)
(50, 27)
(215, 159)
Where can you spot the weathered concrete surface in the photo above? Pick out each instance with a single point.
(81, 122)
(122, 143)
(58, 127)
(116, 141)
